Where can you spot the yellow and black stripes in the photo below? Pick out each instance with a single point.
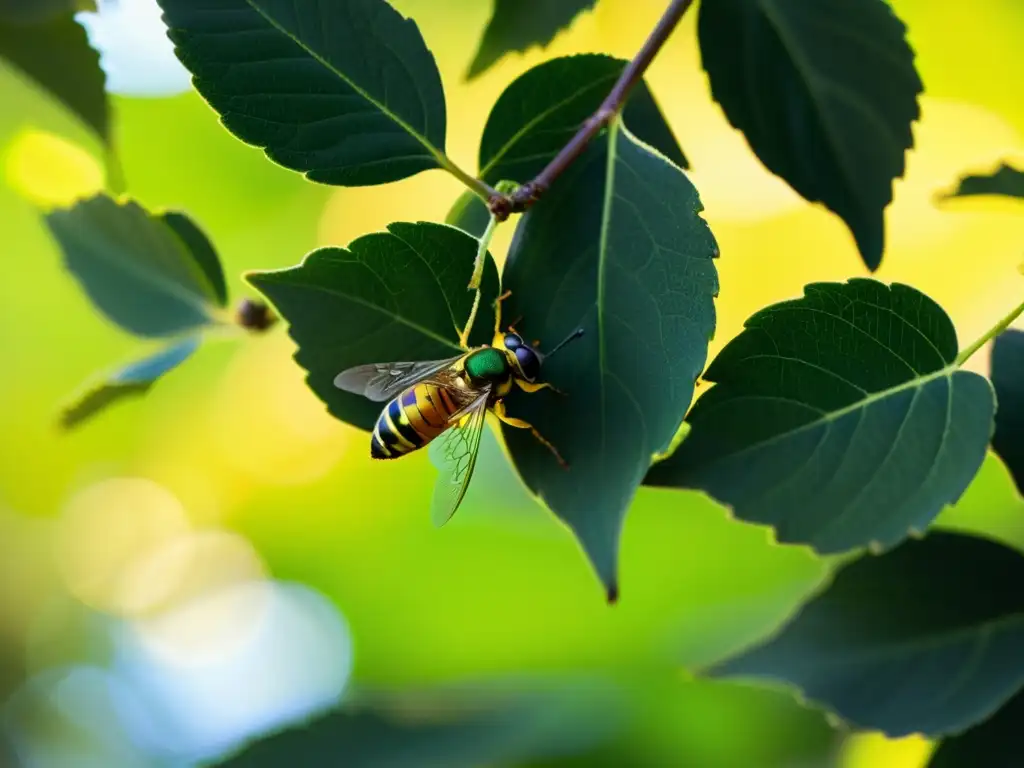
(412, 420)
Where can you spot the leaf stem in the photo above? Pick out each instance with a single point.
(502, 206)
(477, 278)
(992, 332)
(482, 189)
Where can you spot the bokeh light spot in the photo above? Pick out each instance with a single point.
(50, 171)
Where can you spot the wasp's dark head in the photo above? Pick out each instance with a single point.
(527, 359)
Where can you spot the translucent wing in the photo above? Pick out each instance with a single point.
(382, 381)
(454, 453)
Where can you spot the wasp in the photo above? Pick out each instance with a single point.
(447, 400)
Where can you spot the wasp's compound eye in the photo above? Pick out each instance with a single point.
(529, 362)
(513, 341)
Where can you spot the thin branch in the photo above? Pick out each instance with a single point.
(502, 206)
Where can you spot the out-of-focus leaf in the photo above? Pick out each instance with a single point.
(202, 250)
(137, 270)
(825, 93)
(541, 110)
(995, 743)
(36, 11)
(469, 214)
(390, 296)
(1005, 180)
(132, 380)
(445, 731)
(1008, 379)
(517, 25)
(343, 91)
(618, 248)
(840, 418)
(55, 54)
(925, 638)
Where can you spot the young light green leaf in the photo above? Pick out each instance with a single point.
(130, 381)
(461, 730)
(840, 418)
(37, 11)
(390, 296)
(516, 26)
(541, 110)
(137, 270)
(825, 93)
(55, 54)
(924, 639)
(1005, 180)
(470, 214)
(1008, 379)
(618, 248)
(343, 91)
(995, 743)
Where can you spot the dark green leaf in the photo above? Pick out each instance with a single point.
(55, 54)
(132, 380)
(445, 730)
(136, 270)
(1008, 380)
(389, 297)
(343, 91)
(36, 11)
(840, 418)
(1005, 180)
(825, 92)
(202, 251)
(996, 743)
(925, 638)
(469, 214)
(618, 248)
(517, 25)
(541, 110)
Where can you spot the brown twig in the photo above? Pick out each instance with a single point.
(501, 206)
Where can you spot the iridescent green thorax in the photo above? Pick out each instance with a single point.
(487, 364)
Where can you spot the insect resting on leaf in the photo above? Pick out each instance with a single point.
(448, 399)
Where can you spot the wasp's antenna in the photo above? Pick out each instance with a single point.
(571, 337)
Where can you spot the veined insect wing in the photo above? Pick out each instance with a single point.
(454, 454)
(382, 381)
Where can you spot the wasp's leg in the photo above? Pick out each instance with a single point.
(531, 387)
(497, 312)
(499, 411)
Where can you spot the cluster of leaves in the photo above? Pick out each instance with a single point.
(842, 419)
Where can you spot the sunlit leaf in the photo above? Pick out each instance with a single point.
(446, 729)
(925, 638)
(618, 248)
(825, 92)
(390, 296)
(517, 25)
(55, 54)
(840, 418)
(540, 111)
(343, 91)
(995, 743)
(469, 214)
(1008, 380)
(137, 270)
(1005, 180)
(130, 381)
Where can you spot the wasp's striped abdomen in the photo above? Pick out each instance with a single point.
(412, 420)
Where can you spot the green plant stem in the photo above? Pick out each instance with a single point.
(477, 278)
(483, 190)
(994, 331)
(501, 206)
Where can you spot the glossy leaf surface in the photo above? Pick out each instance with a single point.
(55, 54)
(516, 25)
(541, 110)
(1008, 379)
(825, 93)
(135, 268)
(130, 381)
(390, 296)
(840, 418)
(925, 638)
(619, 249)
(343, 91)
